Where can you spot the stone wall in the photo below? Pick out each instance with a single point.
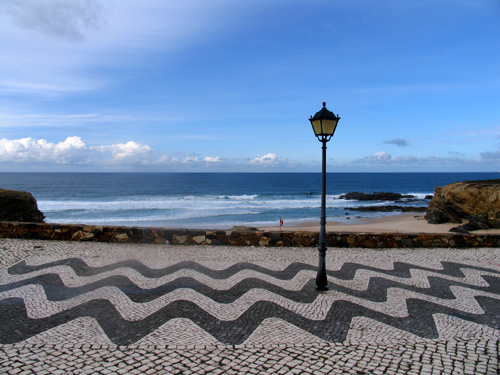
(69, 232)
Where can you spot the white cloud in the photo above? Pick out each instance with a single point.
(74, 151)
(190, 159)
(212, 159)
(268, 159)
(381, 156)
(186, 160)
(28, 150)
(129, 153)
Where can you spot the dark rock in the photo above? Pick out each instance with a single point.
(475, 223)
(375, 196)
(19, 206)
(460, 229)
(466, 228)
(480, 222)
(437, 217)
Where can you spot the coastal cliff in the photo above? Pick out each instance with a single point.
(475, 201)
(19, 206)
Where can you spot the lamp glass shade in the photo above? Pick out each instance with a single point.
(324, 127)
(316, 127)
(329, 126)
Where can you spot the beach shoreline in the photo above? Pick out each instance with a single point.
(403, 223)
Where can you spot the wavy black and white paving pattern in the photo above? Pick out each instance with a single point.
(244, 302)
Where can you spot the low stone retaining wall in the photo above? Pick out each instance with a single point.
(69, 232)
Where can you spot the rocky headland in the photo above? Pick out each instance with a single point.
(19, 206)
(477, 202)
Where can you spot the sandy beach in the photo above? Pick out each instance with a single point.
(404, 223)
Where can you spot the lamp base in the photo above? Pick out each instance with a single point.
(322, 289)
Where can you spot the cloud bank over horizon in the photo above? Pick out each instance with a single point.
(74, 154)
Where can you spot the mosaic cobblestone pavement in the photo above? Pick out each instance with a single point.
(121, 308)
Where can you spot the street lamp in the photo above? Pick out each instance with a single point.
(324, 124)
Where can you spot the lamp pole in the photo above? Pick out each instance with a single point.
(324, 124)
(321, 280)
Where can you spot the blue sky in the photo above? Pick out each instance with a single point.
(228, 86)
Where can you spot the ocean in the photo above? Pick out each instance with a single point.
(217, 200)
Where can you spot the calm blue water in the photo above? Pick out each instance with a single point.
(214, 200)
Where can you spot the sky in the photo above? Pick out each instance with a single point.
(229, 86)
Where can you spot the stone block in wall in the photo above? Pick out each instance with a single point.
(239, 242)
(407, 242)
(253, 238)
(264, 241)
(122, 237)
(199, 239)
(370, 242)
(82, 236)
(234, 236)
(179, 240)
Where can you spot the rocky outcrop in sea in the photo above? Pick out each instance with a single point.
(384, 197)
(375, 196)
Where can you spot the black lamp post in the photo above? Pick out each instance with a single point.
(324, 124)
